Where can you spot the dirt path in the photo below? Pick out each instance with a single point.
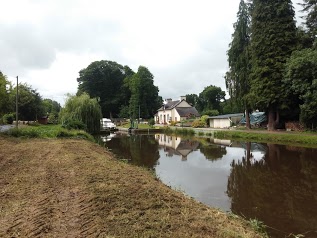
(73, 188)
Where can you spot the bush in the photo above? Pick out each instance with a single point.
(198, 123)
(8, 118)
(173, 123)
(151, 122)
(73, 124)
(25, 132)
(211, 112)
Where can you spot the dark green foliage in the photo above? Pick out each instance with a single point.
(273, 39)
(8, 118)
(211, 112)
(70, 124)
(30, 103)
(230, 106)
(24, 133)
(192, 99)
(301, 75)
(144, 95)
(237, 78)
(52, 109)
(310, 7)
(5, 89)
(210, 99)
(104, 80)
(151, 122)
(120, 91)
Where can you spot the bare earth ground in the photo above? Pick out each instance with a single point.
(74, 188)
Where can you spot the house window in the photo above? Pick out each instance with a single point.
(168, 116)
(175, 118)
(160, 117)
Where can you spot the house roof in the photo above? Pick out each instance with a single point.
(227, 116)
(170, 105)
(186, 111)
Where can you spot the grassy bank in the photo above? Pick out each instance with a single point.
(75, 188)
(308, 139)
(47, 131)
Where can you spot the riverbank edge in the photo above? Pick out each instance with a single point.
(304, 139)
(173, 205)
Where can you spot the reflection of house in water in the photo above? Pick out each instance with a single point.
(176, 146)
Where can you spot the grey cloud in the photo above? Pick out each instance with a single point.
(23, 47)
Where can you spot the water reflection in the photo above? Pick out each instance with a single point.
(275, 184)
(280, 189)
(140, 150)
(174, 145)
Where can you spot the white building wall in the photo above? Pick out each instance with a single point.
(219, 123)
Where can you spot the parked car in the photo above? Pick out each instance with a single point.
(107, 124)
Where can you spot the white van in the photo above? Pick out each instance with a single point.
(107, 124)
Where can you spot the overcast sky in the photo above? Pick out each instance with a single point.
(182, 42)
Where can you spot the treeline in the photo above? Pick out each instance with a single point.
(120, 91)
(31, 105)
(212, 102)
(273, 63)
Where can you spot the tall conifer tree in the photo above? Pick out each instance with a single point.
(273, 37)
(310, 6)
(237, 78)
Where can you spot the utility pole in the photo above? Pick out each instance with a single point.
(16, 104)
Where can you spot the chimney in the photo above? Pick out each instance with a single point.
(183, 98)
(168, 100)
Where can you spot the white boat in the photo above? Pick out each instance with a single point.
(107, 124)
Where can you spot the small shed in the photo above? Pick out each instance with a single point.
(43, 120)
(224, 121)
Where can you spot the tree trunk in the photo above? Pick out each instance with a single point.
(271, 119)
(247, 119)
(248, 154)
(277, 119)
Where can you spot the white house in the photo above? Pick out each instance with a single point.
(175, 111)
(225, 121)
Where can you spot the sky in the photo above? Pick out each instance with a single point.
(182, 42)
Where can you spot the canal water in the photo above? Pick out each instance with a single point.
(275, 184)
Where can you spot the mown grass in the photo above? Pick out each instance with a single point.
(293, 138)
(47, 131)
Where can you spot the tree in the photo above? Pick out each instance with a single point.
(29, 101)
(301, 75)
(210, 98)
(52, 108)
(104, 80)
(237, 78)
(144, 94)
(273, 37)
(192, 99)
(310, 6)
(5, 89)
(83, 109)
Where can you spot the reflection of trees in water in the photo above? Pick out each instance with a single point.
(141, 150)
(213, 152)
(279, 190)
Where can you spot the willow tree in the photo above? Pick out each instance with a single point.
(237, 78)
(84, 109)
(273, 37)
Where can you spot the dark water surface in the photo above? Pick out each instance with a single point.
(276, 184)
